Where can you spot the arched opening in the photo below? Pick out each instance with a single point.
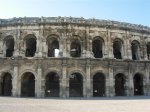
(6, 84)
(98, 85)
(97, 47)
(117, 48)
(135, 47)
(9, 46)
(52, 85)
(53, 47)
(75, 50)
(30, 46)
(28, 85)
(120, 85)
(76, 85)
(148, 50)
(138, 84)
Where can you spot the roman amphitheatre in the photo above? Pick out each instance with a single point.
(66, 57)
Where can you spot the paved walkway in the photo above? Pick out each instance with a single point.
(117, 104)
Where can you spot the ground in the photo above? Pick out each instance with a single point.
(116, 104)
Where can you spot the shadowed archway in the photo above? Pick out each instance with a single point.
(98, 85)
(9, 46)
(75, 48)
(97, 47)
(120, 84)
(6, 84)
(138, 84)
(117, 48)
(30, 42)
(76, 85)
(53, 46)
(52, 85)
(28, 85)
(135, 47)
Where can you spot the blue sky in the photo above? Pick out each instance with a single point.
(132, 11)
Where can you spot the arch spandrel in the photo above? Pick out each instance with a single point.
(76, 71)
(50, 37)
(102, 71)
(28, 70)
(55, 70)
(6, 71)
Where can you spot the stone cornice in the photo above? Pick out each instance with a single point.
(71, 20)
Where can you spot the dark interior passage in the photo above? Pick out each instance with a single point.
(98, 85)
(75, 49)
(53, 48)
(117, 49)
(97, 48)
(28, 85)
(52, 85)
(76, 85)
(6, 84)
(30, 46)
(138, 84)
(148, 50)
(135, 50)
(120, 85)
(9, 41)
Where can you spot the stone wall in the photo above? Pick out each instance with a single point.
(68, 30)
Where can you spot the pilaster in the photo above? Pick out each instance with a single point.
(88, 79)
(39, 79)
(63, 89)
(15, 81)
(17, 43)
(146, 81)
(107, 87)
(109, 46)
(128, 46)
(130, 83)
(111, 80)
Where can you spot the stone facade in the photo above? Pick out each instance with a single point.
(69, 57)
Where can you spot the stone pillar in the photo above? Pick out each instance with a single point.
(22, 46)
(1, 48)
(15, 81)
(38, 83)
(146, 80)
(64, 88)
(87, 43)
(38, 48)
(82, 49)
(124, 49)
(16, 49)
(64, 44)
(111, 81)
(110, 45)
(88, 80)
(106, 46)
(107, 87)
(4, 50)
(90, 49)
(128, 47)
(68, 48)
(42, 87)
(127, 89)
(44, 48)
(131, 85)
(16, 43)
(84, 88)
(145, 57)
(0, 83)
